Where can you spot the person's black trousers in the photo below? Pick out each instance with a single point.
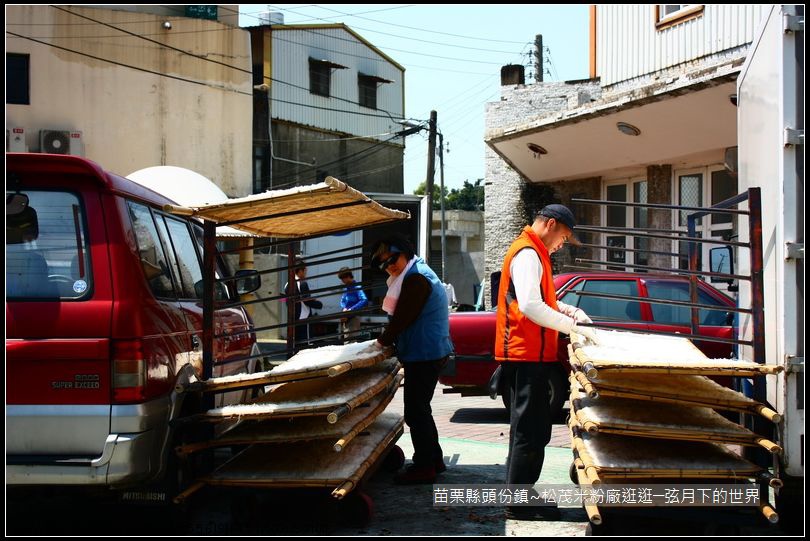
(421, 378)
(530, 421)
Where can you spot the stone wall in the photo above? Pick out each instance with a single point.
(510, 202)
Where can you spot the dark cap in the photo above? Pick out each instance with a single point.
(561, 213)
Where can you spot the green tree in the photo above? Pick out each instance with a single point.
(469, 197)
(421, 189)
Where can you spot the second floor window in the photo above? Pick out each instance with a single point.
(320, 76)
(367, 89)
(669, 14)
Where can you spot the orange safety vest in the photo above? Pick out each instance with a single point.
(517, 338)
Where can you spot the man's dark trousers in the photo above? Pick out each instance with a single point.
(530, 421)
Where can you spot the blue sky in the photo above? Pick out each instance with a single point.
(452, 56)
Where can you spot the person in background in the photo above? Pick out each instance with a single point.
(528, 321)
(353, 299)
(303, 305)
(419, 328)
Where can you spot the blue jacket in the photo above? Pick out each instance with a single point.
(427, 338)
(353, 297)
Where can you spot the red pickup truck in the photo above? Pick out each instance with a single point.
(473, 333)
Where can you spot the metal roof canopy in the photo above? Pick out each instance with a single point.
(286, 213)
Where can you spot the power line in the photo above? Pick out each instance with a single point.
(130, 66)
(250, 72)
(477, 38)
(397, 50)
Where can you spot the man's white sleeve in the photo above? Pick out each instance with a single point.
(527, 272)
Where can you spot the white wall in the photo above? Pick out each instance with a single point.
(105, 83)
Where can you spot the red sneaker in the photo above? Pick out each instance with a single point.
(416, 475)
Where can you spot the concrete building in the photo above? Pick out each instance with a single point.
(655, 123)
(326, 103)
(133, 87)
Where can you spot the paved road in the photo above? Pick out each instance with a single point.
(474, 435)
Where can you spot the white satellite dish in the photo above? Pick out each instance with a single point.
(186, 188)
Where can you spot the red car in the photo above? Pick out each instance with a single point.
(473, 333)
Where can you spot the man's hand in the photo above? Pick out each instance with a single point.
(587, 333)
(581, 317)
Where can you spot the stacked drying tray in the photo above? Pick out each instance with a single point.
(642, 408)
(320, 423)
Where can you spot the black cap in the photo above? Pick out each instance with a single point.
(561, 213)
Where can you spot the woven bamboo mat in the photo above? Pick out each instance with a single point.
(331, 397)
(625, 351)
(327, 361)
(656, 420)
(310, 464)
(676, 389)
(631, 457)
(292, 429)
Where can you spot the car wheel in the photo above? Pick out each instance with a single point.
(557, 395)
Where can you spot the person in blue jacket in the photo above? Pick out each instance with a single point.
(419, 328)
(353, 299)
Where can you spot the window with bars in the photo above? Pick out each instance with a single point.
(690, 194)
(641, 221)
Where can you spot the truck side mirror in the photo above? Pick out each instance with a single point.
(248, 282)
(721, 260)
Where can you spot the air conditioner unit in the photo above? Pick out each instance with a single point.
(61, 142)
(15, 140)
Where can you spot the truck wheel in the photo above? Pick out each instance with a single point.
(557, 393)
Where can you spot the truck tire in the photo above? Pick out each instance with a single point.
(557, 394)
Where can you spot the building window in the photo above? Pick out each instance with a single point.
(690, 194)
(17, 79)
(320, 76)
(367, 90)
(667, 15)
(617, 218)
(641, 221)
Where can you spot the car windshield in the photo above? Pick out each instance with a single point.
(46, 248)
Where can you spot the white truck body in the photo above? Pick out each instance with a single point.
(770, 93)
(313, 248)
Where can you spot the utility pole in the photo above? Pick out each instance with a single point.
(441, 198)
(431, 171)
(538, 55)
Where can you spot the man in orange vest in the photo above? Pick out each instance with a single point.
(528, 321)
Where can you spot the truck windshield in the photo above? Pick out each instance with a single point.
(46, 248)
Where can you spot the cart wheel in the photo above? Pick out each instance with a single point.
(356, 509)
(572, 474)
(394, 460)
